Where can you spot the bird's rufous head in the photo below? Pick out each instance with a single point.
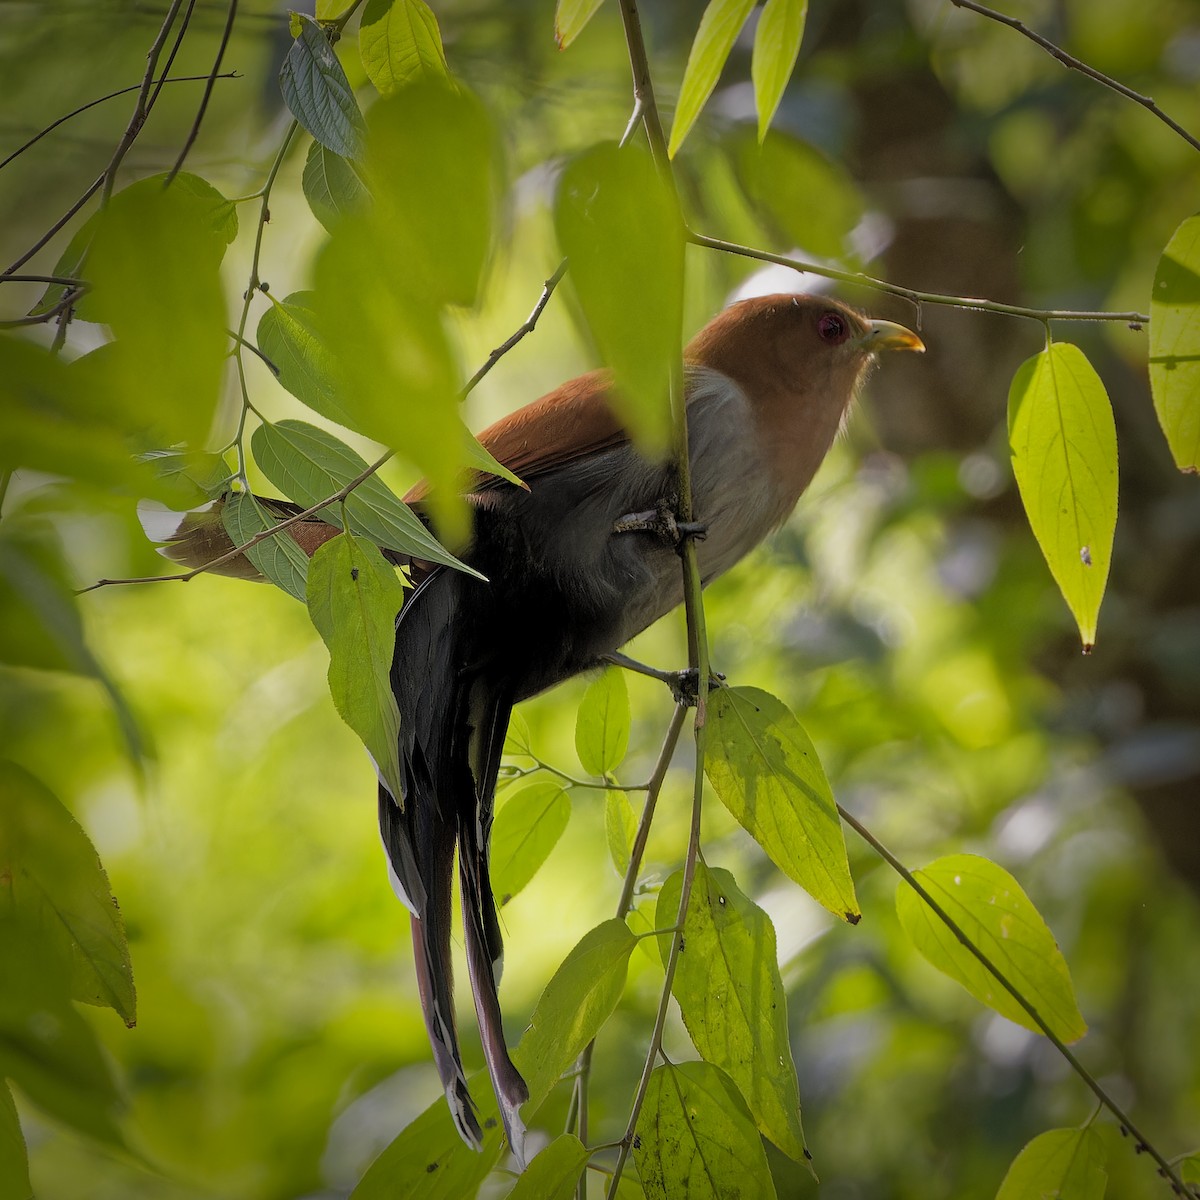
(799, 360)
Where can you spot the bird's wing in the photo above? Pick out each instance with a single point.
(571, 422)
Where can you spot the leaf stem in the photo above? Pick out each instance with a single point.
(1139, 1140)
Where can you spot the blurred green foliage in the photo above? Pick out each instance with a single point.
(904, 614)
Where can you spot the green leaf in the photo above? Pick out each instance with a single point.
(527, 828)
(46, 1047)
(54, 877)
(570, 17)
(400, 42)
(40, 624)
(191, 478)
(988, 905)
(308, 465)
(1175, 344)
(428, 1160)
(620, 228)
(278, 557)
(213, 214)
(14, 1159)
(353, 598)
(1062, 1164)
(318, 94)
(56, 424)
(800, 194)
(731, 996)
(332, 186)
(776, 45)
(620, 828)
(1064, 451)
(602, 723)
(696, 1139)
(575, 1004)
(289, 337)
(1189, 1169)
(765, 769)
(155, 268)
(434, 167)
(479, 458)
(719, 27)
(553, 1172)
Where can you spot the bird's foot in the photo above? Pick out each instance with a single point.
(684, 684)
(662, 523)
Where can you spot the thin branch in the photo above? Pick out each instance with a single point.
(180, 34)
(1140, 1142)
(133, 87)
(89, 192)
(664, 1003)
(275, 530)
(915, 297)
(213, 76)
(141, 110)
(246, 344)
(523, 330)
(1075, 64)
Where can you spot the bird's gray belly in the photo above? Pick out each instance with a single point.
(569, 588)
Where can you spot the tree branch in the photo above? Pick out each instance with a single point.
(133, 87)
(914, 297)
(1076, 64)
(213, 76)
(1166, 1169)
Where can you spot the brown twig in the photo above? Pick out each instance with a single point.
(213, 76)
(523, 330)
(133, 87)
(1076, 64)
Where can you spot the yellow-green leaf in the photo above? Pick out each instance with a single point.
(1062, 1164)
(620, 828)
(695, 1138)
(14, 1159)
(602, 723)
(54, 877)
(989, 906)
(776, 45)
(799, 193)
(765, 769)
(577, 1001)
(731, 996)
(554, 1171)
(1175, 344)
(528, 824)
(570, 17)
(154, 264)
(1064, 452)
(620, 229)
(719, 27)
(353, 598)
(399, 41)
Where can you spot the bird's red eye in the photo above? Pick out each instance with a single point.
(831, 328)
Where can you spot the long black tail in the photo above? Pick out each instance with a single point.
(452, 727)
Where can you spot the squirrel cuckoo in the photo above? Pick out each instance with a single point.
(576, 566)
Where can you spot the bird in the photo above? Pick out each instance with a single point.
(573, 565)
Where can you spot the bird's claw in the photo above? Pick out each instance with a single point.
(662, 523)
(685, 685)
